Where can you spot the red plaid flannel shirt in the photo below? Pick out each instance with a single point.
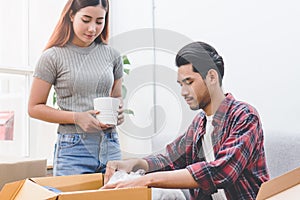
(240, 165)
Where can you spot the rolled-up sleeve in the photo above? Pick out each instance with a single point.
(173, 158)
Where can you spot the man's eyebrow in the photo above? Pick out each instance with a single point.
(186, 79)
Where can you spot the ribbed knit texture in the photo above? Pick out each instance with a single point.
(79, 74)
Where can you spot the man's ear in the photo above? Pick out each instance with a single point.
(212, 77)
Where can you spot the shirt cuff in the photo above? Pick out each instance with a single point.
(202, 175)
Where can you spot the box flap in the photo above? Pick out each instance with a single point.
(289, 194)
(72, 182)
(31, 190)
(25, 189)
(10, 190)
(279, 184)
(140, 193)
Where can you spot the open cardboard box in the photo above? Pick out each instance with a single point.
(75, 187)
(284, 187)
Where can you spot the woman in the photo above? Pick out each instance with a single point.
(81, 66)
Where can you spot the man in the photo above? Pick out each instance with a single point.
(221, 155)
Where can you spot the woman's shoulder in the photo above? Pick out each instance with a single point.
(52, 50)
(48, 53)
(53, 54)
(109, 49)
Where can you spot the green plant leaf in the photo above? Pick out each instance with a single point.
(126, 70)
(128, 111)
(125, 60)
(54, 99)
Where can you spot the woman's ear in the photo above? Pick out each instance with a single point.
(71, 16)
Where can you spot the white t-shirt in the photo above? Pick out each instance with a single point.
(209, 153)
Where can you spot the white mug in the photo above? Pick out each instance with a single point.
(108, 107)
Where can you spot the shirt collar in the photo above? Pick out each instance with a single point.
(220, 114)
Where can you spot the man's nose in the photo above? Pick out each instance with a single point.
(184, 91)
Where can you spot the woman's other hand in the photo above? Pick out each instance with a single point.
(120, 114)
(88, 122)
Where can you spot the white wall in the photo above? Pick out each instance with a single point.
(14, 33)
(43, 16)
(259, 42)
(153, 94)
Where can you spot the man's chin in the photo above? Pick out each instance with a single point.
(194, 107)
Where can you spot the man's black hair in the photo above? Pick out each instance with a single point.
(203, 57)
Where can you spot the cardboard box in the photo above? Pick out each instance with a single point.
(75, 187)
(6, 125)
(17, 168)
(284, 187)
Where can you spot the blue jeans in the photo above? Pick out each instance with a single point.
(81, 153)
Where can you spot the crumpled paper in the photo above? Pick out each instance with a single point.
(124, 176)
(157, 193)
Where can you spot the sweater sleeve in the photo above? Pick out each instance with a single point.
(46, 67)
(117, 64)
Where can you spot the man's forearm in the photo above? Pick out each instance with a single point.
(171, 179)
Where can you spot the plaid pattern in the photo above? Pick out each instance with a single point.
(240, 165)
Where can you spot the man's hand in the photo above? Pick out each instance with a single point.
(138, 182)
(180, 178)
(125, 165)
(113, 166)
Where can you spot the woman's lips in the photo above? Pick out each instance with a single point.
(89, 36)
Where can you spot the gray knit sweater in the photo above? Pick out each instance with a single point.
(79, 74)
